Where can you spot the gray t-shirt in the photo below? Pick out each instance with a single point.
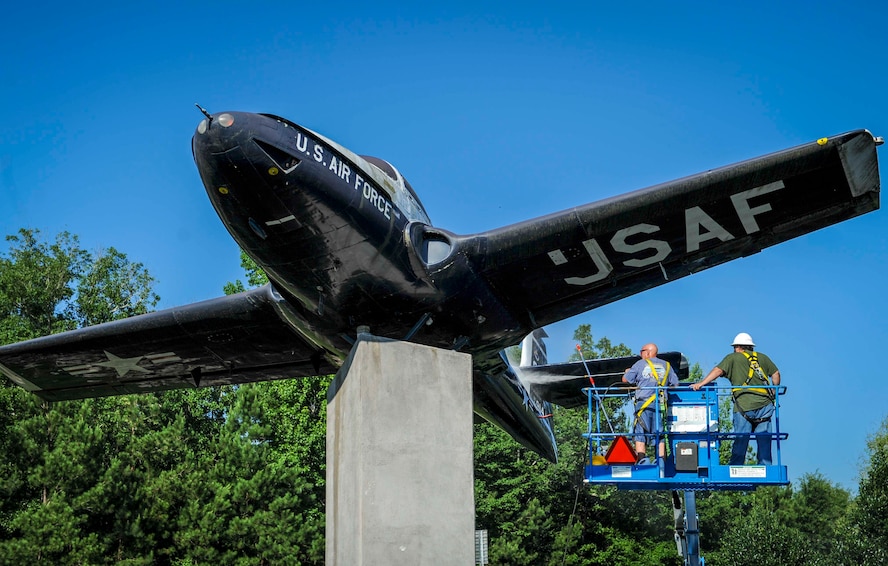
(640, 374)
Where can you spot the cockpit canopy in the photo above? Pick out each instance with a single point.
(392, 173)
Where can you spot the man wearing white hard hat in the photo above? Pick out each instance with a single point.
(753, 406)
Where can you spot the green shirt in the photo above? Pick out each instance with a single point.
(736, 368)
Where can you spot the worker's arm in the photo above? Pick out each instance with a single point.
(626, 375)
(775, 377)
(713, 375)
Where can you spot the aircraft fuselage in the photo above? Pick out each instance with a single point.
(346, 242)
(343, 237)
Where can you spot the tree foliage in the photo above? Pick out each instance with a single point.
(236, 474)
(254, 274)
(49, 287)
(590, 349)
(185, 477)
(865, 538)
(542, 513)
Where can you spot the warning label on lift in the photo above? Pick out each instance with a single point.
(690, 418)
(748, 472)
(621, 472)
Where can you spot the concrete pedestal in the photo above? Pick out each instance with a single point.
(399, 457)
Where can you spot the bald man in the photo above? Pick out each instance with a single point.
(647, 373)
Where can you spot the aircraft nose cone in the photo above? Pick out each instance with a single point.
(216, 133)
(215, 138)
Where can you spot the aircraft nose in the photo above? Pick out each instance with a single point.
(216, 133)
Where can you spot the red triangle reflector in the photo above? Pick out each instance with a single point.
(620, 452)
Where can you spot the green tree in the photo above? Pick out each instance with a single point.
(49, 287)
(294, 414)
(616, 408)
(236, 474)
(53, 453)
(761, 535)
(245, 505)
(112, 287)
(799, 524)
(592, 350)
(542, 513)
(255, 276)
(37, 283)
(865, 536)
(872, 509)
(187, 476)
(817, 509)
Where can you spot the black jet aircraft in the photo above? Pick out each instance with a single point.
(346, 243)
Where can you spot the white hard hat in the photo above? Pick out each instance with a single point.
(743, 339)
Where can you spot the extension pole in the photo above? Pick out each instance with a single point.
(594, 392)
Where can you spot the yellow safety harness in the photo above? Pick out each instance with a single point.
(754, 370)
(660, 382)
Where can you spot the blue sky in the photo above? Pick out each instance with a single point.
(496, 113)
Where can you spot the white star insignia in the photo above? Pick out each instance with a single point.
(123, 365)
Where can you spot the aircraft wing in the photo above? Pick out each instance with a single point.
(234, 339)
(560, 265)
(563, 384)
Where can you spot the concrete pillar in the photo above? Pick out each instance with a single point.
(399, 457)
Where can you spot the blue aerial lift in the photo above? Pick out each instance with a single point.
(694, 437)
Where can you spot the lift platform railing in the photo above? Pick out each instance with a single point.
(690, 428)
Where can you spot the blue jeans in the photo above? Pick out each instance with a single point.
(743, 426)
